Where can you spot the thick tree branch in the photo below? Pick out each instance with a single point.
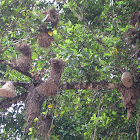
(15, 68)
(103, 85)
(89, 86)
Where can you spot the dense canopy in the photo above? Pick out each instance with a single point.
(69, 69)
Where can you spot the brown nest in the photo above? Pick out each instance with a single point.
(135, 18)
(33, 103)
(44, 125)
(53, 16)
(24, 62)
(130, 98)
(45, 40)
(51, 86)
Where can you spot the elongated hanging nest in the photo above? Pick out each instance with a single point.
(135, 18)
(51, 86)
(44, 125)
(33, 103)
(45, 40)
(53, 16)
(24, 61)
(127, 79)
(130, 98)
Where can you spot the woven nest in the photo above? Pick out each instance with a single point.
(130, 98)
(24, 61)
(24, 48)
(53, 16)
(51, 86)
(44, 124)
(45, 40)
(135, 18)
(33, 103)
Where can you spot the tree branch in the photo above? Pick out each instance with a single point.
(15, 68)
(65, 86)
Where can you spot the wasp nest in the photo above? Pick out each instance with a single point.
(130, 98)
(44, 39)
(44, 125)
(33, 103)
(127, 79)
(52, 16)
(7, 90)
(24, 61)
(51, 86)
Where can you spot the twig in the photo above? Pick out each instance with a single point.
(94, 136)
(138, 123)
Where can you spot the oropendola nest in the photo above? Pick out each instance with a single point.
(51, 86)
(45, 40)
(53, 16)
(130, 98)
(33, 104)
(44, 124)
(23, 63)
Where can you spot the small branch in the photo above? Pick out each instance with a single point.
(59, 47)
(94, 136)
(138, 125)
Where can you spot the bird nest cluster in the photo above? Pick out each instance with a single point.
(130, 98)
(45, 37)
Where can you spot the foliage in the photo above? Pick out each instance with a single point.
(78, 114)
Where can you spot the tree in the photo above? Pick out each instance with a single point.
(98, 43)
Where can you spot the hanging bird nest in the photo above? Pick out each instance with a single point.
(44, 125)
(135, 18)
(33, 104)
(127, 79)
(53, 16)
(51, 86)
(45, 40)
(130, 98)
(24, 62)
